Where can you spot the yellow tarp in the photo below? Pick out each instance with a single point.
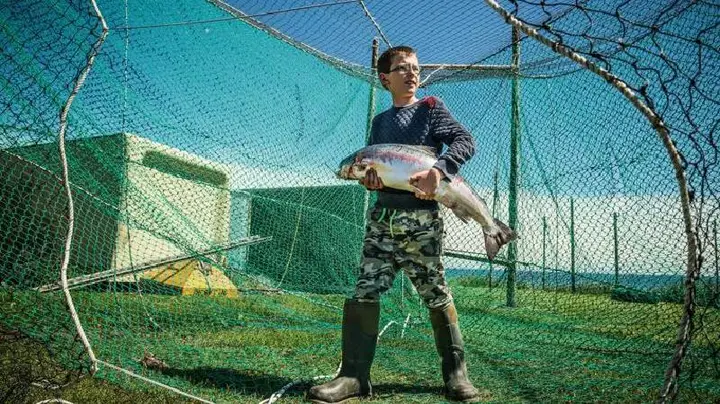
(191, 277)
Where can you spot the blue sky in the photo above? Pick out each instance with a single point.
(276, 116)
(235, 95)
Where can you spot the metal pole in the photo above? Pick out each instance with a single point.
(717, 272)
(514, 167)
(370, 116)
(572, 245)
(371, 100)
(490, 276)
(496, 198)
(615, 239)
(544, 243)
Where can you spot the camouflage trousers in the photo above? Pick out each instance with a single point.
(408, 240)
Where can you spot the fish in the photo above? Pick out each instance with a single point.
(396, 163)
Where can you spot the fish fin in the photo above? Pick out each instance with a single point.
(491, 246)
(507, 234)
(493, 242)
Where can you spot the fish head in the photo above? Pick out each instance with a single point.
(352, 167)
(345, 169)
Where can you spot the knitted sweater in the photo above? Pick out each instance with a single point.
(426, 122)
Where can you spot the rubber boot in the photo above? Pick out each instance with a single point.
(359, 339)
(451, 348)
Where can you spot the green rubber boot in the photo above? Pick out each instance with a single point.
(451, 348)
(359, 339)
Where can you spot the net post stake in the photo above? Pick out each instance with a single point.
(544, 244)
(615, 249)
(371, 99)
(370, 115)
(572, 245)
(495, 203)
(514, 167)
(717, 269)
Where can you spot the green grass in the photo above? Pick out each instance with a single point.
(25, 362)
(555, 346)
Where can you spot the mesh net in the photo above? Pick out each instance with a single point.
(213, 246)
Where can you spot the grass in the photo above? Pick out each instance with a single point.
(26, 366)
(554, 346)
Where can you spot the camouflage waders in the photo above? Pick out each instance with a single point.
(408, 240)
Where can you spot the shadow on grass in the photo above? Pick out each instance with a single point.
(265, 385)
(387, 390)
(231, 379)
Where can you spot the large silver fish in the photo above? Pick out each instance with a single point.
(396, 163)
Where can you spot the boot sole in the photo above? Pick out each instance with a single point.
(473, 399)
(347, 400)
(467, 400)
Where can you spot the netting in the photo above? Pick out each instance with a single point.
(213, 246)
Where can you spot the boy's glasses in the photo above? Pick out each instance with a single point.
(405, 68)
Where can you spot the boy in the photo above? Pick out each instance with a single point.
(404, 231)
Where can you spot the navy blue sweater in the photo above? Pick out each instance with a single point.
(426, 122)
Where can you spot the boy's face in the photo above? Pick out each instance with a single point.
(404, 75)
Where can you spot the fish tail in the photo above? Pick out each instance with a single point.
(495, 240)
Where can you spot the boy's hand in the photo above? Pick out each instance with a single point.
(371, 180)
(426, 183)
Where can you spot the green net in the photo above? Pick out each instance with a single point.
(213, 246)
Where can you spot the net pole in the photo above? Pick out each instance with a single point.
(572, 245)
(371, 99)
(717, 269)
(370, 116)
(514, 167)
(496, 198)
(615, 249)
(544, 245)
(371, 112)
(692, 270)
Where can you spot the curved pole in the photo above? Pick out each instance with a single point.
(80, 79)
(670, 386)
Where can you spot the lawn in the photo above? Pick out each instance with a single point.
(554, 346)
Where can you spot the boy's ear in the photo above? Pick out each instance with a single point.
(383, 78)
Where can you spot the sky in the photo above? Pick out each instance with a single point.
(231, 93)
(276, 116)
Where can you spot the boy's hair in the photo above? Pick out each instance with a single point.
(385, 60)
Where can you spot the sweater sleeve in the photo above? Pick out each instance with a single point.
(460, 143)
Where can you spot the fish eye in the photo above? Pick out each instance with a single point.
(361, 167)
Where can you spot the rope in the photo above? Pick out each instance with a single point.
(385, 328)
(68, 191)
(295, 235)
(278, 394)
(670, 385)
(273, 12)
(353, 69)
(422, 83)
(377, 27)
(145, 379)
(405, 325)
